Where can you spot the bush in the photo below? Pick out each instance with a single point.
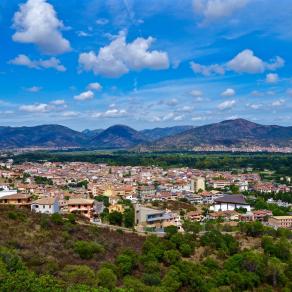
(126, 262)
(86, 249)
(185, 250)
(151, 279)
(107, 278)
(78, 274)
(170, 257)
(57, 219)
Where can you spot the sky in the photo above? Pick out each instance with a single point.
(145, 63)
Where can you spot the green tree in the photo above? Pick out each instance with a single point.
(106, 278)
(115, 218)
(87, 249)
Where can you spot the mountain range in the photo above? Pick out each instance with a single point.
(236, 133)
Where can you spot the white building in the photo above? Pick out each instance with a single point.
(46, 205)
(230, 203)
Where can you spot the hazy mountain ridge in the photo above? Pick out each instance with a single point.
(236, 132)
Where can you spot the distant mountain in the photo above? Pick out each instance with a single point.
(158, 133)
(118, 136)
(91, 133)
(41, 136)
(236, 132)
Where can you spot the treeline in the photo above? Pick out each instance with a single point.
(280, 163)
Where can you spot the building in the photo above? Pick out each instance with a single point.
(46, 206)
(21, 200)
(84, 207)
(152, 218)
(281, 221)
(198, 184)
(230, 203)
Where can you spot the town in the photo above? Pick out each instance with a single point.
(146, 199)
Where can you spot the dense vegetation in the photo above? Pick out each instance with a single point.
(280, 163)
(53, 253)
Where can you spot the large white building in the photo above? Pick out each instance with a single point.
(46, 205)
(230, 203)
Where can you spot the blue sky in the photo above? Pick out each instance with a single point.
(155, 63)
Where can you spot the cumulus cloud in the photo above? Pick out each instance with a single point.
(35, 108)
(86, 95)
(228, 92)
(94, 86)
(53, 63)
(34, 89)
(255, 106)
(110, 113)
(228, 104)
(272, 78)
(119, 57)
(207, 70)
(244, 62)
(36, 22)
(213, 10)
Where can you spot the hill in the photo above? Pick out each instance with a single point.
(158, 133)
(118, 136)
(238, 132)
(54, 253)
(41, 136)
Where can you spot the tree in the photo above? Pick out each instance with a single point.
(126, 262)
(86, 249)
(170, 230)
(115, 218)
(78, 274)
(170, 257)
(129, 217)
(192, 227)
(185, 250)
(106, 278)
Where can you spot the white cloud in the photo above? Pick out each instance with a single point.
(198, 118)
(272, 78)
(244, 62)
(196, 93)
(53, 63)
(171, 102)
(216, 9)
(34, 89)
(278, 102)
(36, 22)
(110, 113)
(207, 70)
(86, 95)
(254, 106)
(102, 21)
(58, 102)
(70, 114)
(228, 92)
(119, 57)
(94, 86)
(228, 104)
(35, 108)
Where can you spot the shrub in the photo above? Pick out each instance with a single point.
(185, 250)
(78, 274)
(107, 278)
(57, 219)
(86, 249)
